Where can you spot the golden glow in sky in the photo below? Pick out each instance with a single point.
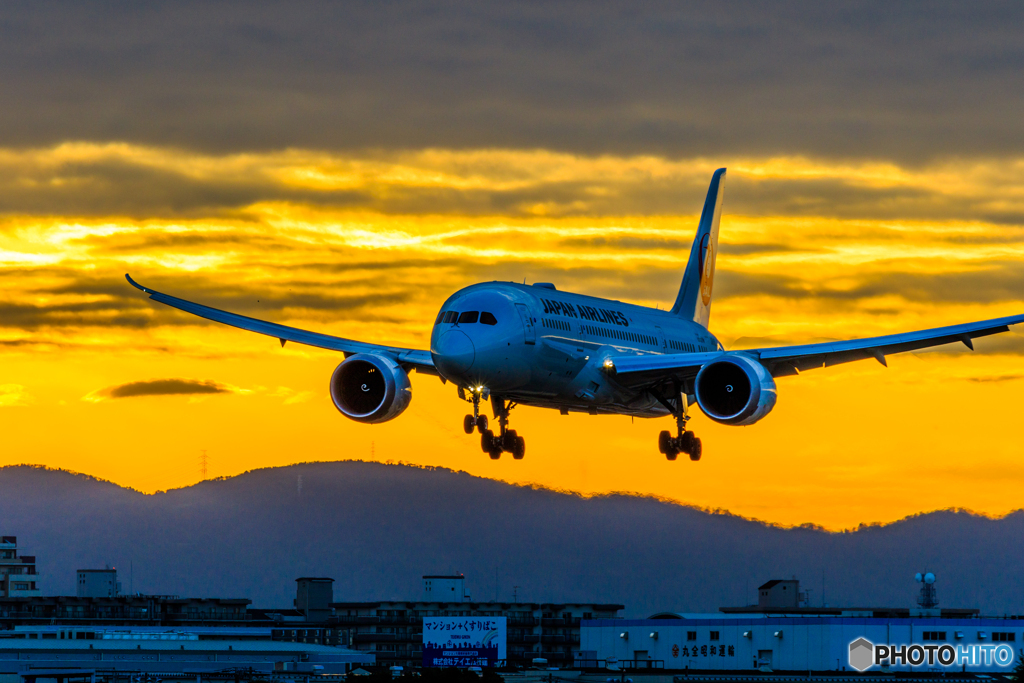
(368, 246)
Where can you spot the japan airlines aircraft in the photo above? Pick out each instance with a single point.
(535, 345)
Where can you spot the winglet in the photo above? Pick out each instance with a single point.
(135, 284)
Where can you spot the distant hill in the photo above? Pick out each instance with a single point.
(377, 528)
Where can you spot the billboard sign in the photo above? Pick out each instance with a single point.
(463, 641)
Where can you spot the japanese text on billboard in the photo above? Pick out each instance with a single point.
(463, 641)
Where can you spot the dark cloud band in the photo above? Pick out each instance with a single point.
(904, 81)
(164, 387)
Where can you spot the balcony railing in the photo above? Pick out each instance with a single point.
(556, 655)
(632, 664)
(369, 619)
(387, 637)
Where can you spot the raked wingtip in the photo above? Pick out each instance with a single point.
(134, 284)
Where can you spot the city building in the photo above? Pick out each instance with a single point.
(441, 588)
(393, 630)
(720, 642)
(779, 594)
(141, 610)
(18, 575)
(388, 632)
(34, 651)
(229, 617)
(97, 583)
(313, 597)
(782, 633)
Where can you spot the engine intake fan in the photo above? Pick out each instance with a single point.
(735, 390)
(370, 388)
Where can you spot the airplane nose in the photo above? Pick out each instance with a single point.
(455, 352)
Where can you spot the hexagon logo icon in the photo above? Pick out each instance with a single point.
(862, 654)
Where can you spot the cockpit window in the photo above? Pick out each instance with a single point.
(440, 316)
(487, 318)
(450, 316)
(469, 317)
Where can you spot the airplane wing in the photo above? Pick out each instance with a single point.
(790, 360)
(415, 358)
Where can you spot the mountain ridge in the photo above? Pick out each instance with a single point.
(377, 527)
(536, 486)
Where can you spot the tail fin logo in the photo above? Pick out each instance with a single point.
(707, 274)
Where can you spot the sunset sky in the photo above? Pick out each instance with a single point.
(344, 168)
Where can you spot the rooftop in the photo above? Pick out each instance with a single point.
(893, 612)
(445, 576)
(169, 645)
(604, 607)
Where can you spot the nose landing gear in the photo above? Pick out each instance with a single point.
(684, 441)
(476, 420)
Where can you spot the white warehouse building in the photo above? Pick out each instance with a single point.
(720, 642)
(781, 633)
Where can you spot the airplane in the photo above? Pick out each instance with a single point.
(535, 345)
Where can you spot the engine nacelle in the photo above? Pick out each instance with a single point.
(735, 390)
(370, 388)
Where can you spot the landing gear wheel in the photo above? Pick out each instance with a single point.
(686, 442)
(665, 443)
(683, 441)
(468, 424)
(519, 448)
(495, 454)
(487, 441)
(695, 450)
(481, 423)
(508, 440)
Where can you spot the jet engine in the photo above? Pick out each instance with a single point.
(735, 390)
(370, 388)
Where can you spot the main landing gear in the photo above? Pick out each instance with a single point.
(507, 440)
(684, 441)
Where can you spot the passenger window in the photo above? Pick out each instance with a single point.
(469, 317)
(487, 318)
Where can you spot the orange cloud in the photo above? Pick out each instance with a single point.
(369, 245)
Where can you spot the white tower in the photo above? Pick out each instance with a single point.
(928, 599)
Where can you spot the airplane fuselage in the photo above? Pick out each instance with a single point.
(543, 347)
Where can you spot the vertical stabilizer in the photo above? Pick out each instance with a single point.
(694, 299)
